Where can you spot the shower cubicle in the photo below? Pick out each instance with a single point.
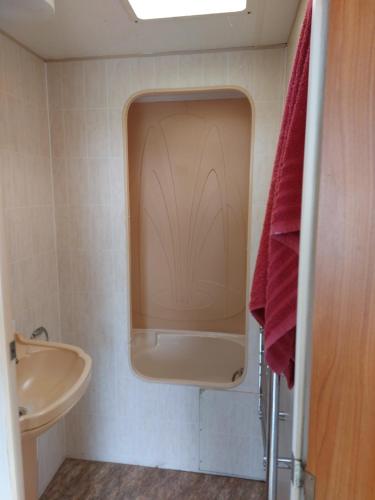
(189, 184)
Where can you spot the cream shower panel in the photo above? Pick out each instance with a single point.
(189, 165)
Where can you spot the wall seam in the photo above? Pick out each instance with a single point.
(62, 422)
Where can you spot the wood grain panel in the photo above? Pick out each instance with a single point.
(189, 168)
(342, 412)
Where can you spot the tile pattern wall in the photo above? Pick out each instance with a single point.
(26, 181)
(294, 36)
(230, 438)
(122, 418)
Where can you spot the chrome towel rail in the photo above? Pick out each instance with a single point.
(270, 415)
(273, 440)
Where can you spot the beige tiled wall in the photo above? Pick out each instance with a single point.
(122, 418)
(294, 35)
(26, 182)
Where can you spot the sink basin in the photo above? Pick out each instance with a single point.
(51, 378)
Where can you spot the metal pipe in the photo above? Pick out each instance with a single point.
(282, 463)
(262, 410)
(273, 441)
(260, 372)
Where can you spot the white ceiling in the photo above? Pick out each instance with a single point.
(89, 28)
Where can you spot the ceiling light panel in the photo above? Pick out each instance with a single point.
(158, 9)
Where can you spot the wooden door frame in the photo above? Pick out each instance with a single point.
(11, 473)
(342, 403)
(337, 325)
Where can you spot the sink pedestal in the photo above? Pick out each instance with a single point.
(30, 467)
(51, 379)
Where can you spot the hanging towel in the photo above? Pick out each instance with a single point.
(273, 300)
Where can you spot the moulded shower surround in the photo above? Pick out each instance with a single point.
(189, 166)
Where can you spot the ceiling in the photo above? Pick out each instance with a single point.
(89, 28)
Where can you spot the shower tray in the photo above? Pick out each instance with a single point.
(206, 359)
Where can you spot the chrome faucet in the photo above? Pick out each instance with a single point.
(40, 331)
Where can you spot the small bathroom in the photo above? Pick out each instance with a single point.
(159, 174)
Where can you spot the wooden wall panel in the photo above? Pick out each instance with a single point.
(189, 164)
(342, 412)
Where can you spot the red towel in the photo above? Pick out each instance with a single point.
(273, 299)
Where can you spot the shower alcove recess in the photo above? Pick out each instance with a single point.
(188, 177)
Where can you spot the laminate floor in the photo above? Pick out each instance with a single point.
(86, 480)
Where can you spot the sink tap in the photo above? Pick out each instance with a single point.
(40, 331)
